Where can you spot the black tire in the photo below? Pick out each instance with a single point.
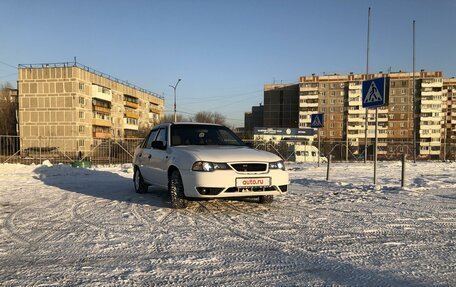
(266, 199)
(138, 181)
(176, 190)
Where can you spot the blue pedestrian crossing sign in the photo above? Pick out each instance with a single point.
(375, 93)
(316, 120)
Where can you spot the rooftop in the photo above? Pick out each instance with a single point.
(88, 69)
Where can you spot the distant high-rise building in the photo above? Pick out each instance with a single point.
(281, 106)
(253, 119)
(339, 98)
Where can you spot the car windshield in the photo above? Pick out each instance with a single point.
(188, 134)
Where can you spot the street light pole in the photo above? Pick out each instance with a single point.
(174, 88)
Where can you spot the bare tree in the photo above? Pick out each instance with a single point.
(210, 117)
(170, 118)
(8, 109)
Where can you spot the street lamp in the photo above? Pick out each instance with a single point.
(174, 88)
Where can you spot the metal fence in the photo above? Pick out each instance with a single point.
(351, 152)
(13, 149)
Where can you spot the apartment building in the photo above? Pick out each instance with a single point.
(281, 105)
(253, 119)
(449, 120)
(339, 98)
(69, 106)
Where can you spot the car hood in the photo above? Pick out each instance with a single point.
(228, 154)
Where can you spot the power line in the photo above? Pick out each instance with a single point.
(6, 64)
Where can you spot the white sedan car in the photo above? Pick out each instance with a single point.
(196, 160)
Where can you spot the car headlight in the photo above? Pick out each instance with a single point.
(209, 166)
(277, 165)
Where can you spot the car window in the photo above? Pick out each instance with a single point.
(203, 135)
(161, 137)
(151, 138)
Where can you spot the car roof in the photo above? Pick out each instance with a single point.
(184, 123)
(194, 123)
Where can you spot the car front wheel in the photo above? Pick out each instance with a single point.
(138, 180)
(266, 199)
(176, 189)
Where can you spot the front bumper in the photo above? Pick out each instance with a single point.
(222, 184)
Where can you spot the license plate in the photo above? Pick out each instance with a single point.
(257, 181)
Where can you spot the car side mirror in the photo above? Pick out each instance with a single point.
(158, 145)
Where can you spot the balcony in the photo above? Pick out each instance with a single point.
(101, 123)
(355, 112)
(437, 84)
(305, 89)
(130, 127)
(431, 93)
(308, 105)
(131, 115)
(101, 109)
(352, 86)
(101, 93)
(131, 104)
(100, 135)
(154, 109)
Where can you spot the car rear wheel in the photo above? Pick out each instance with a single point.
(266, 199)
(138, 180)
(176, 189)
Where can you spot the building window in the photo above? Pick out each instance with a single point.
(80, 142)
(332, 102)
(391, 116)
(404, 83)
(81, 115)
(331, 117)
(404, 108)
(333, 94)
(402, 100)
(391, 101)
(402, 125)
(81, 129)
(402, 116)
(403, 91)
(331, 133)
(331, 109)
(81, 86)
(81, 101)
(391, 125)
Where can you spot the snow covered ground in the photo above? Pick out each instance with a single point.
(61, 226)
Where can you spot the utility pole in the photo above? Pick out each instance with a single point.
(367, 74)
(174, 88)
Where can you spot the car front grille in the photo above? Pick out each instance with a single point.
(250, 167)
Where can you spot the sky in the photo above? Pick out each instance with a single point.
(226, 51)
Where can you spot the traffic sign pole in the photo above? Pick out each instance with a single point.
(376, 143)
(318, 147)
